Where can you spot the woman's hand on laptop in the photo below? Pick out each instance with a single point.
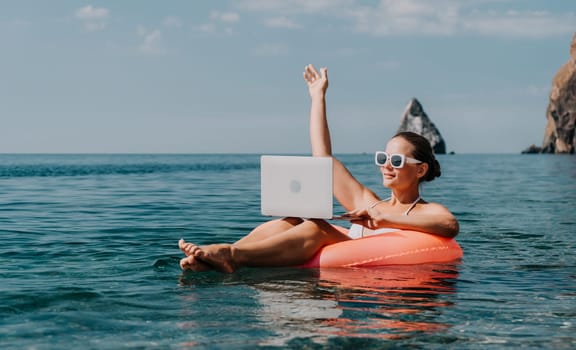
(348, 216)
(356, 216)
(365, 217)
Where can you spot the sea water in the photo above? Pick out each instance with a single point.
(89, 259)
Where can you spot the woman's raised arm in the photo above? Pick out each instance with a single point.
(348, 191)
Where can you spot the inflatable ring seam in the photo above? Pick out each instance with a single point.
(401, 247)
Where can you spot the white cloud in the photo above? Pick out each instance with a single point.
(207, 27)
(172, 22)
(92, 13)
(281, 22)
(408, 7)
(424, 17)
(226, 17)
(392, 18)
(151, 41)
(450, 17)
(514, 24)
(93, 18)
(220, 21)
(294, 6)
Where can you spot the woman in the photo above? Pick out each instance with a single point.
(407, 161)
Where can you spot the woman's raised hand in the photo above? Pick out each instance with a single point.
(317, 82)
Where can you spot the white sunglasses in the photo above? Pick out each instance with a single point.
(396, 160)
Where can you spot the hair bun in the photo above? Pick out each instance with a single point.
(437, 170)
(423, 152)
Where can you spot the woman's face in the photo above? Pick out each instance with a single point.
(407, 176)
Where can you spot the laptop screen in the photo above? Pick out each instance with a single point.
(296, 186)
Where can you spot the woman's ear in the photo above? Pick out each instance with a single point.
(422, 170)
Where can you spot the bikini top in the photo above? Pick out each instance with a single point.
(407, 210)
(357, 231)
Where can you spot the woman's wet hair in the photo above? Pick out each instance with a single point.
(423, 152)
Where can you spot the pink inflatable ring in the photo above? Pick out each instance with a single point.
(393, 248)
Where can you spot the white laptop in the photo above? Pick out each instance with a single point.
(297, 186)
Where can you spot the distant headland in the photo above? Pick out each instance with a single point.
(559, 136)
(416, 120)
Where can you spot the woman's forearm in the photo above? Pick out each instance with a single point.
(446, 226)
(319, 131)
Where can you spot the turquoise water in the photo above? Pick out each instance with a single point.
(88, 258)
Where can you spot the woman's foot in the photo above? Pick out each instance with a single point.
(193, 264)
(190, 262)
(187, 248)
(217, 255)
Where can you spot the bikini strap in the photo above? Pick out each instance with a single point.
(406, 212)
(412, 206)
(385, 200)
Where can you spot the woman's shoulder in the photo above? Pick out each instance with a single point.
(434, 208)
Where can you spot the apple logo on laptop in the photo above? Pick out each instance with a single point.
(295, 186)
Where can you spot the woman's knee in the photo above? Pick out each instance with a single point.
(293, 221)
(331, 233)
(279, 224)
(321, 224)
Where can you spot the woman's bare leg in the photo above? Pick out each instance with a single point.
(269, 228)
(261, 232)
(289, 248)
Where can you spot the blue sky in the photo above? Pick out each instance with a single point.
(226, 76)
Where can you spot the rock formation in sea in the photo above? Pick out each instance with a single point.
(416, 120)
(559, 136)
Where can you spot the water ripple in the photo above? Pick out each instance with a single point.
(89, 258)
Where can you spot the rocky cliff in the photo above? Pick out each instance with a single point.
(559, 136)
(416, 120)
